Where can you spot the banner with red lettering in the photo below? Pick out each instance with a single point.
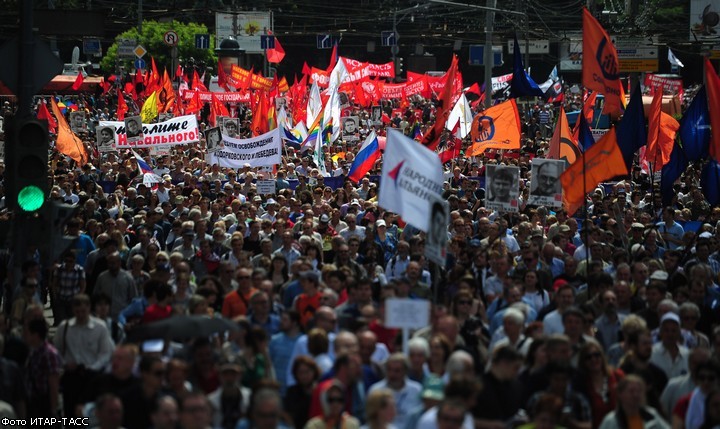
(670, 85)
(225, 97)
(175, 131)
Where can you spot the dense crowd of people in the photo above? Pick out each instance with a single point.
(605, 319)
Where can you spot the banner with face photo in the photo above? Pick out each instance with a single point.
(213, 139)
(502, 188)
(105, 137)
(260, 151)
(134, 129)
(545, 186)
(377, 115)
(77, 122)
(176, 131)
(230, 127)
(350, 128)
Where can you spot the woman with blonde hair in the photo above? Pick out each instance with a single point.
(380, 410)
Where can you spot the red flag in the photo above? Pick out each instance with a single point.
(600, 64)
(306, 70)
(248, 79)
(333, 59)
(713, 95)
(276, 54)
(222, 78)
(44, 113)
(78, 81)
(122, 107)
(179, 72)
(451, 150)
(602, 161)
(385, 118)
(260, 115)
(432, 137)
(167, 93)
(130, 90)
(197, 83)
(360, 95)
(105, 86)
(588, 111)
(217, 109)
(474, 89)
(194, 104)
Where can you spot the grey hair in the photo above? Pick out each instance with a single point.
(670, 305)
(419, 344)
(690, 307)
(514, 315)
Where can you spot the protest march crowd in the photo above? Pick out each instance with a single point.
(201, 293)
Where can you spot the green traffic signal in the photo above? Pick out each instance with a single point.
(30, 198)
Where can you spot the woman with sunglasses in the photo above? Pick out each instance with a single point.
(598, 381)
(334, 415)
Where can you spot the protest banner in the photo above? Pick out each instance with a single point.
(265, 187)
(176, 131)
(259, 151)
(224, 97)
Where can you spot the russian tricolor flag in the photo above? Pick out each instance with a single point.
(365, 159)
(148, 175)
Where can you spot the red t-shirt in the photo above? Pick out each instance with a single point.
(156, 312)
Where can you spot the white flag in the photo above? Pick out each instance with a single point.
(411, 175)
(314, 104)
(460, 113)
(673, 59)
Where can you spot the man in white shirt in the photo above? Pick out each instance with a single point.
(405, 391)
(668, 355)
(397, 265)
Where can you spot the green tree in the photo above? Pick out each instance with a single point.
(152, 40)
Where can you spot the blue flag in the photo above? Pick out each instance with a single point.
(631, 134)
(710, 182)
(695, 128)
(585, 139)
(522, 84)
(671, 172)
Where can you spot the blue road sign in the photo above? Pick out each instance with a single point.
(92, 47)
(477, 56)
(389, 38)
(140, 64)
(324, 41)
(267, 42)
(202, 41)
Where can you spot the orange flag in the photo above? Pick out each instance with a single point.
(259, 124)
(588, 111)
(713, 95)
(167, 93)
(662, 129)
(283, 85)
(600, 64)
(562, 144)
(602, 161)
(496, 128)
(122, 107)
(68, 143)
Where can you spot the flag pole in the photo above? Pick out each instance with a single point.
(585, 209)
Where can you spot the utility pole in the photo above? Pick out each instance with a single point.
(488, 53)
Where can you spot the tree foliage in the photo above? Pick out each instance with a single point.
(152, 40)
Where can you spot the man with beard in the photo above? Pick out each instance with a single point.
(637, 361)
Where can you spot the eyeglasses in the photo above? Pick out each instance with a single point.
(336, 400)
(596, 355)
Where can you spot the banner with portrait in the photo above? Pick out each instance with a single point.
(260, 151)
(105, 138)
(502, 188)
(545, 186)
(176, 131)
(350, 126)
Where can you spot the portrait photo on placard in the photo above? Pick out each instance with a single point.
(133, 129)
(213, 139)
(280, 102)
(503, 188)
(376, 115)
(77, 122)
(350, 128)
(545, 186)
(105, 137)
(344, 100)
(230, 127)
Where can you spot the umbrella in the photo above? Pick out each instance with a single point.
(181, 328)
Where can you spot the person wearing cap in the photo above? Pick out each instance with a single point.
(387, 242)
(668, 354)
(308, 302)
(271, 207)
(326, 231)
(352, 227)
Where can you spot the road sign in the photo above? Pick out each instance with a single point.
(389, 38)
(140, 64)
(477, 55)
(267, 42)
(126, 48)
(636, 54)
(139, 51)
(202, 41)
(324, 41)
(536, 46)
(92, 47)
(170, 38)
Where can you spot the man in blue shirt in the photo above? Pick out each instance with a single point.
(282, 344)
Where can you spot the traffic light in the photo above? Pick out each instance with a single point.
(27, 166)
(398, 66)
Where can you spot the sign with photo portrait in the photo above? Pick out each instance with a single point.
(502, 188)
(230, 127)
(134, 129)
(437, 235)
(77, 122)
(376, 115)
(213, 139)
(545, 186)
(350, 125)
(105, 138)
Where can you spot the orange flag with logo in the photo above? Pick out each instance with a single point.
(562, 145)
(602, 161)
(67, 142)
(600, 70)
(496, 128)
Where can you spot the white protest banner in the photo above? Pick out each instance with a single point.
(265, 187)
(258, 151)
(501, 82)
(176, 131)
(411, 175)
